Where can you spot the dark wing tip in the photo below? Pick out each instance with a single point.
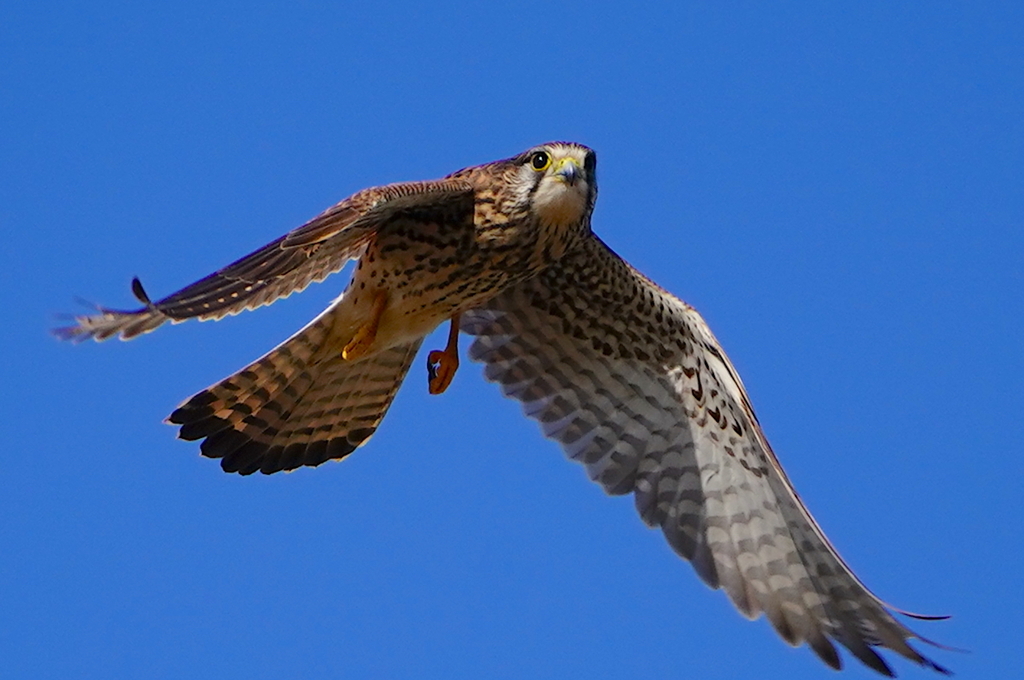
(825, 650)
(925, 617)
(140, 293)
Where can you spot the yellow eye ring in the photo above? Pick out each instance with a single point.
(540, 160)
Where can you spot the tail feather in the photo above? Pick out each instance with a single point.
(299, 405)
(246, 399)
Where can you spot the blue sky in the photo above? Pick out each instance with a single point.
(837, 188)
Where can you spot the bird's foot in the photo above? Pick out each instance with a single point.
(442, 363)
(441, 367)
(361, 342)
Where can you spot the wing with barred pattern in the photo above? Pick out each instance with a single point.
(309, 253)
(634, 386)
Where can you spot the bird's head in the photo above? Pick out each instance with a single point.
(560, 180)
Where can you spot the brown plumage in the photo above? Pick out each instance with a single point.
(625, 376)
(426, 251)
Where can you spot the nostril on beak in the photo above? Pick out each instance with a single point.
(569, 172)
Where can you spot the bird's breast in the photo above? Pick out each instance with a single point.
(430, 273)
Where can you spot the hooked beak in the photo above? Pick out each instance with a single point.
(568, 171)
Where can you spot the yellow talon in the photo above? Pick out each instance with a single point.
(442, 363)
(361, 342)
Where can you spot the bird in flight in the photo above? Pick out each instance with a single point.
(625, 376)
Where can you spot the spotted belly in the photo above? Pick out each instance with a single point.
(426, 280)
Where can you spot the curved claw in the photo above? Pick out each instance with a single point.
(442, 363)
(441, 367)
(363, 340)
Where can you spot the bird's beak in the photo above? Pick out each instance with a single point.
(568, 170)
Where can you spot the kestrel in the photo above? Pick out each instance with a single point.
(625, 376)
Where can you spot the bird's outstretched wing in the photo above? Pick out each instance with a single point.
(633, 384)
(309, 253)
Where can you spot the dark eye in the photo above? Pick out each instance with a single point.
(590, 163)
(540, 161)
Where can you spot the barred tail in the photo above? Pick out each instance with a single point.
(301, 404)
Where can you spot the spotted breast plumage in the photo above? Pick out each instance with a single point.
(625, 376)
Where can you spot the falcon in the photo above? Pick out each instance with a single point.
(625, 376)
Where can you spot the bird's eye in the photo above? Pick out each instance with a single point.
(540, 161)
